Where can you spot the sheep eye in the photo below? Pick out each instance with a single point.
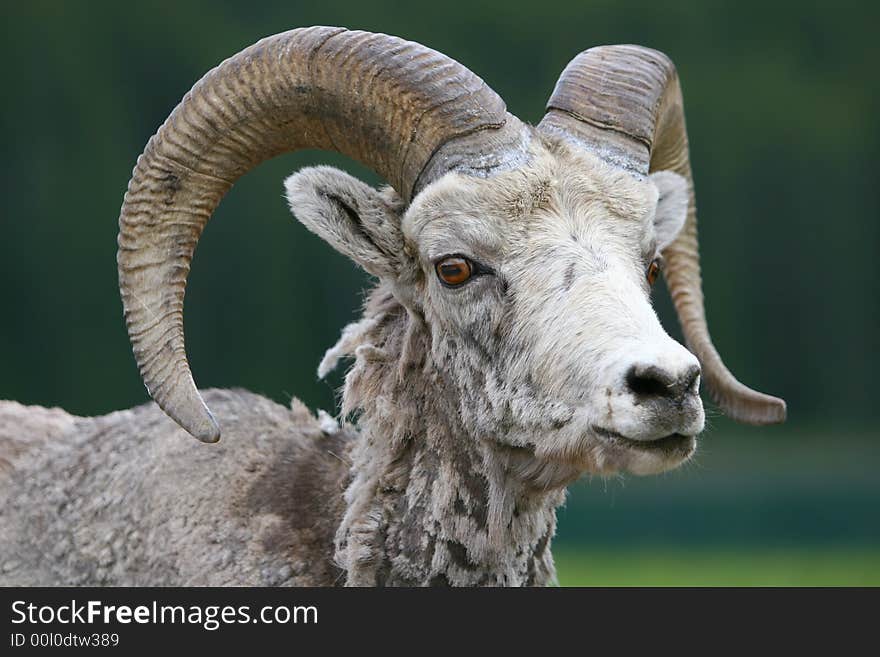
(653, 271)
(454, 271)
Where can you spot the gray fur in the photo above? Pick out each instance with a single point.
(124, 499)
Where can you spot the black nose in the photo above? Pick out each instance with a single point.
(651, 381)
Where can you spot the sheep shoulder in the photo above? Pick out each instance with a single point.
(129, 499)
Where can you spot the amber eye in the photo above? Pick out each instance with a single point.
(454, 270)
(653, 271)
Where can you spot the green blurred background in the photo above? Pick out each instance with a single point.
(782, 103)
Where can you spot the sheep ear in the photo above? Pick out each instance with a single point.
(672, 206)
(355, 219)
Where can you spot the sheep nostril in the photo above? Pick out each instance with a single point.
(653, 381)
(648, 381)
(692, 380)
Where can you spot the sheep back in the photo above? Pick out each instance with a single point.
(129, 499)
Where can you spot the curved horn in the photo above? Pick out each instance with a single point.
(391, 104)
(624, 103)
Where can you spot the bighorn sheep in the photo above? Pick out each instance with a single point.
(508, 347)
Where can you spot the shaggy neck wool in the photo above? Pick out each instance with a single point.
(429, 504)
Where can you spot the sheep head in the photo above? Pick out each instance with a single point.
(526, 254)
(533, 286)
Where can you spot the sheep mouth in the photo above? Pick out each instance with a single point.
(674, 443)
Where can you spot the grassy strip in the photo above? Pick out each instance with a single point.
(814, 566)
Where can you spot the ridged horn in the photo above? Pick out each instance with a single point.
(624, 103)
(393, 105)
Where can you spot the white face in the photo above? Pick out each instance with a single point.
(551, 341)
(543, 329)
